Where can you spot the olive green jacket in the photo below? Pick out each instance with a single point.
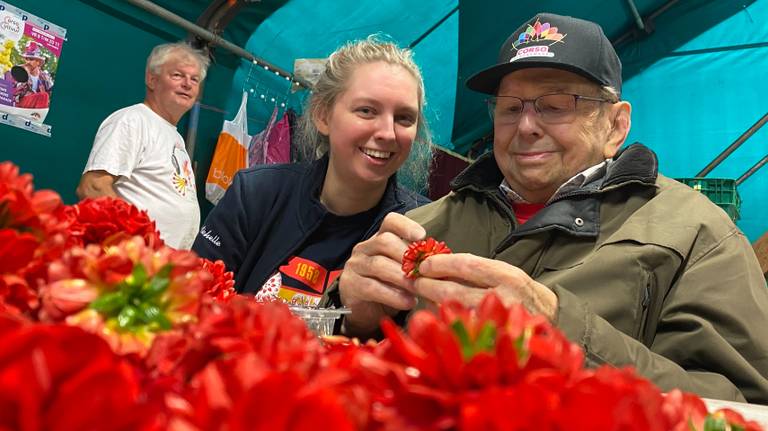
(648, 272)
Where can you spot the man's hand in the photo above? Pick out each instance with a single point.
(467, 278)
(373, 284)
(94, 184)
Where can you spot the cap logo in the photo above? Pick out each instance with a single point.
(536, 33)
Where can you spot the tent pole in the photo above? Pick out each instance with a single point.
(752, 170)
(431, 29)
(736, 144)
(194, 120)
(632, 33)
(636, 14)
(213, 38)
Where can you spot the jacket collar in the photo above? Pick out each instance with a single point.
(483, 174)
(308, 194)
(635, 164)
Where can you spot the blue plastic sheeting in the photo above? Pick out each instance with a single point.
(698, 100)
(306, 29)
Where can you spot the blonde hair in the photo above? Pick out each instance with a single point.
(179, 50)
(333, 81)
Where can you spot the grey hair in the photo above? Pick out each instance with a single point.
(595, 117)
(610, 93)
(333, 81)
(179, 50)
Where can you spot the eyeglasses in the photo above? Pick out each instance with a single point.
(556, 108)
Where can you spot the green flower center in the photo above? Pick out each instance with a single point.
(137, 304)
(485, 341)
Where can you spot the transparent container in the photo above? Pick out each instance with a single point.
(320, 320)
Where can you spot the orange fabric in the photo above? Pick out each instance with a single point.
(228, 158)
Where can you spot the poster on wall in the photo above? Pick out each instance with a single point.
(30, 48)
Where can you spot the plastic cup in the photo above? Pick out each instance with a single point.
(320, 320)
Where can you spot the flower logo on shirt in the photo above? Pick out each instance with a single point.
(183, 178)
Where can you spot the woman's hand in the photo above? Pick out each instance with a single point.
(373, 284)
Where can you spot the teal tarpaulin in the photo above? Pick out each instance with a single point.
(696, 82)
(302, 29)
(692, 104)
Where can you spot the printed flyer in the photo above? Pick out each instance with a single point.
(30, 48)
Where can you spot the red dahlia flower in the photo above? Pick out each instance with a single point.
(222, 288)
(111, 220)
(127, 292)
(281, 340)
(226, 364)
(57, 377)
(16, 251)
(729, 419)
(32, 231)
(418, 251)
(22, 208)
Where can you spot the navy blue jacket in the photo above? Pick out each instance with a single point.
(268, 212)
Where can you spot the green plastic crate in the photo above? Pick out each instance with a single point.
(721, 191)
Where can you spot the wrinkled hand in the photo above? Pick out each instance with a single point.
(373, 284)
(467, 278)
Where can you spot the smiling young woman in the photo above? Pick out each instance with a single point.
(287, 230)
(370, 128)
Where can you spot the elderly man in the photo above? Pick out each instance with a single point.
(139, 156)
(636, 268)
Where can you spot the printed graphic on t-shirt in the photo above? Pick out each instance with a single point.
(308, 273)
(183, 179)
(274, 290)
(298, 282)
(270, 289)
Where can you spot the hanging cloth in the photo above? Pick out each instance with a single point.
(279, 141)
(257, 151)
(230, 155)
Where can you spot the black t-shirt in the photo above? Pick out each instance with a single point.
(303, 278)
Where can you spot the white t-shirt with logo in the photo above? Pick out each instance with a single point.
(155, 173)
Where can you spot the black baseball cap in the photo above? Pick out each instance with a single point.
(554, 41)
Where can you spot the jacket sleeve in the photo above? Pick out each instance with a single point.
(225, 233)
(712, 334)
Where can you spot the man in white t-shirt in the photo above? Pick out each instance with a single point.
(139, 156)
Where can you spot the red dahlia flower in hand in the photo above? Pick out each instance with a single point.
(418, 251)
